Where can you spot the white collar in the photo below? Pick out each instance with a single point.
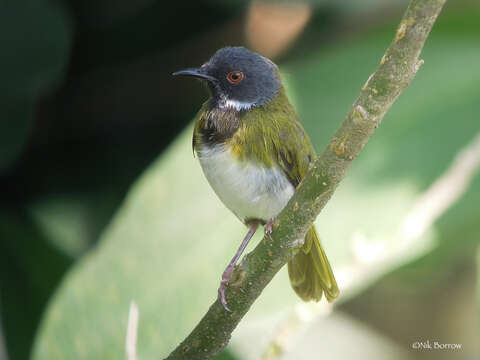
(234, 104)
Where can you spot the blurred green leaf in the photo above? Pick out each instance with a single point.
(478, 283)
(35, 38)
(73, 222)
(16, 117)
(172, 238)
(29, 271)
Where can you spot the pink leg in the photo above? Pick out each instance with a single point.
(227, 274)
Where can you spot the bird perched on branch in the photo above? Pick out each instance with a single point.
(254, 152)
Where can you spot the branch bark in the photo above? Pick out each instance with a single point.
(396, 70)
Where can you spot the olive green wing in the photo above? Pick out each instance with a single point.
(272, 135)
(294, 151)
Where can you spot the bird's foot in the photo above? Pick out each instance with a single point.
(226, 277)
(268, 228)
(227, 274)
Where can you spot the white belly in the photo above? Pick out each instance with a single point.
(249, 191)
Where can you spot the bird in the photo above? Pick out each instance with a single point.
(254, 152)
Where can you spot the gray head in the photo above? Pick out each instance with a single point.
(238, 78)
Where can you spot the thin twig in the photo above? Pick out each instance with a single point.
(445, 190)
(396, 70)
(132, 329)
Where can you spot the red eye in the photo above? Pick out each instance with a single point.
(235, 76)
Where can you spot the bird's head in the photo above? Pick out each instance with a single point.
(238, 78)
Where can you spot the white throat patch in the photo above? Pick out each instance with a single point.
(234, 104)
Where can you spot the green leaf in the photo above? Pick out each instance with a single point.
(29, 271)
(16, 117)
(478, 282)
(35, 38)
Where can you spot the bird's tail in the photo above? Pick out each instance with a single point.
(310, 272)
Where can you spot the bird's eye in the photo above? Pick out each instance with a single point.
(234, 77)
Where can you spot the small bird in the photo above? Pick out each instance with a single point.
(254, 152)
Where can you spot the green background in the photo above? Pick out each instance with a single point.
(103, 202)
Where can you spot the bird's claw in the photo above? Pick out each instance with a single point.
(226, 277)
(268, 228)
(221, 295)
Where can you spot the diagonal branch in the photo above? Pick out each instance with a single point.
(396, 70)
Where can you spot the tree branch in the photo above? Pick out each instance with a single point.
(396, 70)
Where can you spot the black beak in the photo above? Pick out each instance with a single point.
(195, 72)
